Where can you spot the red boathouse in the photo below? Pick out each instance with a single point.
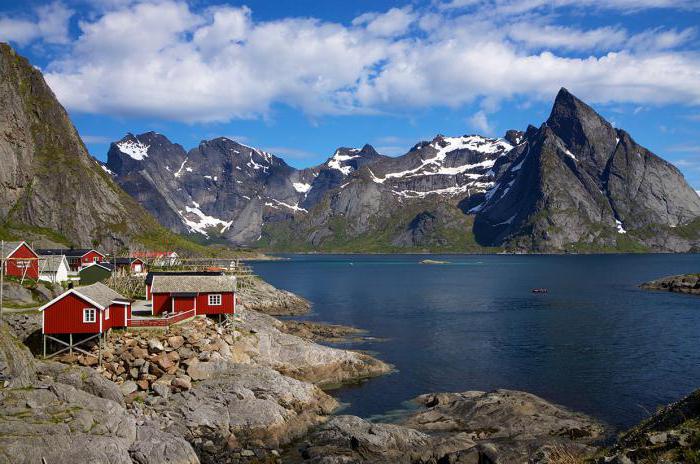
(93, 309)
(19, 260)
(201, 294)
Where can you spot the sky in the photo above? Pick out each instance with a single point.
(301, 78)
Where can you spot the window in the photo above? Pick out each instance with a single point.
(107, 314)
(89, 315)
(23, 264)
(137, 268)
(215, 300)
(96, 259)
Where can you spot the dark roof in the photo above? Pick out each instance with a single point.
(107, 266)
(124, 261)
(149, 276)
(193, 284)
(68, 252)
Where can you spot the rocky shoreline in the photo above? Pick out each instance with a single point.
(253, 393)
(684, 283)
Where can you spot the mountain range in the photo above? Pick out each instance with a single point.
(576, 184)
(573, 184)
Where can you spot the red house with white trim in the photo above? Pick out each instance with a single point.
(19, 260)
(77, 258)
(91, 309)
(201, 294)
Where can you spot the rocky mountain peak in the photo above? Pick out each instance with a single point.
(585, 133)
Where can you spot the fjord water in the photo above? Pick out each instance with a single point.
(595, 342)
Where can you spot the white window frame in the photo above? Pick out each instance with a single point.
(96, 259)
(86, 318)
(107, 314)
(217, 296)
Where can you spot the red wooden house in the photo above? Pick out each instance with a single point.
(77, 258)
(201, 294)
(133, 265)
(150, 275)
(93, 309)
(19, 260)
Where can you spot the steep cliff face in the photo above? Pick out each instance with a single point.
(577, 182)
(48, 181)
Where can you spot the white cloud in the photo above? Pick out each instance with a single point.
(521, 6)
(394, 22)
(164, 59)
(50, 24)
(480, 121)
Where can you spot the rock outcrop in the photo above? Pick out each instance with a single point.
(267, 345)
(244, 407)
(685, 283)
(258, 295)
(670, 435)
(503, 426)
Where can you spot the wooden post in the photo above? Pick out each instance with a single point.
(44, 337)
(70, 343)
(99, 344)
(2, 272)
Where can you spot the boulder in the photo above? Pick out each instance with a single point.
(176, 341)
(128, 387)
(155, 345)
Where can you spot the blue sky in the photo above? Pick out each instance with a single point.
(302, 78)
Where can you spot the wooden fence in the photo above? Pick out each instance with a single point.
(161, 322)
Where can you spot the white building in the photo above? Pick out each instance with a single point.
(53, 268)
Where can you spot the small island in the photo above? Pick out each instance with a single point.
(684, 283)
(434, 261)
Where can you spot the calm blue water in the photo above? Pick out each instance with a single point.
(594, 343)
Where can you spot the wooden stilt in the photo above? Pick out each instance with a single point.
(99, 349)
(44, 337)
(70, 344)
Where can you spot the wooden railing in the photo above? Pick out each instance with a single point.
(163, 321)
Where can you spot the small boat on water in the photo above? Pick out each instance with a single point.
(539, 290)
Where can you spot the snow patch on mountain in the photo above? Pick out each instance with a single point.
(178, 173)
(198, 221)
(134, 148)
(620, 229)
(301, 187)
(337, 160)
(435, 165)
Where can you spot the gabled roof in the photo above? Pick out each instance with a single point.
(125, 261)
(51, 263)
(69, 252)
(106, 266)
(11, 247)
(150, 275)
(99, 295)
(193, 283)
